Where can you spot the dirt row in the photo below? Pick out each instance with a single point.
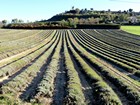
(119, 94)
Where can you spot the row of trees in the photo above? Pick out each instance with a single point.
(83, 11)
(74, 21)
(12, 21)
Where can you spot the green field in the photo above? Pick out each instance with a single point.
(131, 29)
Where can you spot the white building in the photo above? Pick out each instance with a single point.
(133, 19)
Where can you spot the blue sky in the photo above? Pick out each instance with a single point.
(43, 9)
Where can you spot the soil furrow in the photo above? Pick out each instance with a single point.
(30, 91)
(116, 72)
(10, 77)
(119, 94)
(86, 86)
(60, 80)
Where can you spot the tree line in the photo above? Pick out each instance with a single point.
(75, 17)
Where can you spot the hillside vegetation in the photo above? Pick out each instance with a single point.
(76, 17)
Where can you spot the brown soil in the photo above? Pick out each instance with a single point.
(60, 80)
(86, 86)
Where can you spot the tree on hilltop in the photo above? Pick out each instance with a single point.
(4, 22)
(130, 10)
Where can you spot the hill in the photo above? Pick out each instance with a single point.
(77, 18)
(121, 17)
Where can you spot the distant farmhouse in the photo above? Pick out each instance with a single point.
(133, 19)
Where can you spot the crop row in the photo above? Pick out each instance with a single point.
(9, 32)
(94, 34)
(117, 60)
(90, 49)
(103, 38)
(104, 94)
(123, 85)
(89, 64)
(116, 50)
(120, 38)
(74, 88)
(15, 47)
(17, 85)
(16, 36)
(125, 34)
(101, 46)
(45, 88)
(20, 63)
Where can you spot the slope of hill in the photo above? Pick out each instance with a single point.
(83, 18)
(79, 16)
